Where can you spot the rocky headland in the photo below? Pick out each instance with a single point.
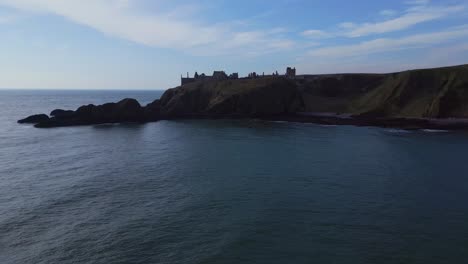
(416, 99)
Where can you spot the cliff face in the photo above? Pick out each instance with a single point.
(336, 93)
(433, 93)
(241, 98)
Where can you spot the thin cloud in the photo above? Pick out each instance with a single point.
(416, 12)
(347, 25)
(388, 12)
(5, 19)
(121, 19)
(9, 18)
(387, 44)
(417, 2)
(415, 15)
(317, 34)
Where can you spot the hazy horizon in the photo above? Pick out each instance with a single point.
(164, 89)
(118, 44)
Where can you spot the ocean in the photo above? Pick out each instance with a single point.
(225, 191)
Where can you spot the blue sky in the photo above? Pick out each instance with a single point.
(147, 44)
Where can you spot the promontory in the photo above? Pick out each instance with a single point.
(428, 98)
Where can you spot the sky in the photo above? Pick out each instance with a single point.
(148, 44)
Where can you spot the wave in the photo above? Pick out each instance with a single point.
(398, 131)
(434, 131)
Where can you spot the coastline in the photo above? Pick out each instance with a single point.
(398, 122)
(450, 124)
(418, 99)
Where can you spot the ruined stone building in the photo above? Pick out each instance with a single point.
(291, 72)
(217, 75)
(221, 76)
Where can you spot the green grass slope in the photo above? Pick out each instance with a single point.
(434, 93)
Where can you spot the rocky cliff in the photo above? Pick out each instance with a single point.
(430, 93)
(233, 98)
(410, 95)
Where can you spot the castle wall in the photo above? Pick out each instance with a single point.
(184, 81)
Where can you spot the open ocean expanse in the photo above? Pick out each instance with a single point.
(225, 191)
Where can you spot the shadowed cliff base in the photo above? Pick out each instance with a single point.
(429, 98)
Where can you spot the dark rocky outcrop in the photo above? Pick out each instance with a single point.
(410, 99)
(59, 113)
(152, 111)
(34, 119)
(127, 110)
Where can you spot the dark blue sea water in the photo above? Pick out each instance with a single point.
(225, 191)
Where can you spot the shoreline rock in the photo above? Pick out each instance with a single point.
(126, 110)
(82, 118)
(34, 119)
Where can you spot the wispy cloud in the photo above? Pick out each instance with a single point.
(6, 19)
(388, 12)
(120, 18)
(413, 16)
(180, 27)
(9, 18)
(316, 34)
(416, 12)
(247, 43)
(382, 45)
(417, 2)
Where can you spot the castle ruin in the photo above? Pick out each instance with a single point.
(221, 76)
(217, 75)
(291, 72)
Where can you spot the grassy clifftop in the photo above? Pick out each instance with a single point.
(441, 92)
